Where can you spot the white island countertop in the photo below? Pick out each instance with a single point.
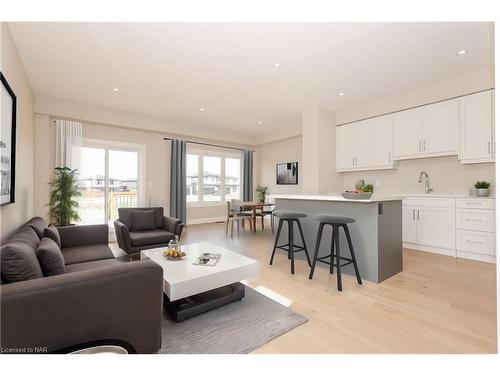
(338, 198)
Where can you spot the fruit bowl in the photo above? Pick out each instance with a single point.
(174, 254)
(357, 195)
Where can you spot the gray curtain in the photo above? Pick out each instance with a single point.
(178, 179)
(247, 175)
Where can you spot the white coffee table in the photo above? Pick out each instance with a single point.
(192, 289)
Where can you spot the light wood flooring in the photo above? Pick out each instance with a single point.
(438, 304)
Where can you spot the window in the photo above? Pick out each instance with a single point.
(212, 177)
(110, 177)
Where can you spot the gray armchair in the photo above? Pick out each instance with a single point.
(145, 228)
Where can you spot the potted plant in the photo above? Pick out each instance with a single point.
(62, 205)
(368, 188)
(261, 193)
(482, 188)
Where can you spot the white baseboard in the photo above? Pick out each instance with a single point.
(206, 220)
(429, 249)
(451, 252)
(474, 256)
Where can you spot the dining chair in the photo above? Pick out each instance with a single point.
(262, 213)
(234, 214)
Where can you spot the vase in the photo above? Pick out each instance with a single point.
(482, 192)
(261, 197)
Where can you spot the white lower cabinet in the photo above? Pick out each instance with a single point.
(428, 226)
(449, 226)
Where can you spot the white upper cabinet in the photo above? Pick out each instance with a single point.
(440, 128)
(427, 131)
(346, 147)
(382, 141)
(477, 128)
(365, 145)
(407, 127)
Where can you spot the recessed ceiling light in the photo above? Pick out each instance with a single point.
(115, 89)
(277, 64)
(202, 109)
(260, 123)
(462, 52)
(341, 94)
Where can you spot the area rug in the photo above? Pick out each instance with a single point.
(237, 328)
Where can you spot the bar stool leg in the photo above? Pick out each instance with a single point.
(304, 243)
(290, 246)
(332, 250)
(316, 249)
(276, 240)
(337, 257)
(351, 249)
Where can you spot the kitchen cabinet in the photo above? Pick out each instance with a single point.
(382, 141)
(407, 132)
(365, 145)
(427, 131)
(476, 128)
(429, 224)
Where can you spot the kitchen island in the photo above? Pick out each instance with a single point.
(376, 234)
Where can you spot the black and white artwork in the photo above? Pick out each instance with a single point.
(287, 173)
(7, 142)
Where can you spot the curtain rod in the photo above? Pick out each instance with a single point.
(210, 144)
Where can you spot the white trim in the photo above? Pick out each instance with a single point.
(206, 220)
(429, 249)
(474, 256)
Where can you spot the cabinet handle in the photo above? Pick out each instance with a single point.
(424, 144)
(356, 160)
(418, 214)
(419, 146)
(469, 219)
(413, 214)
(476, 242)
(389, 157)
(489, 148)
(353, 161)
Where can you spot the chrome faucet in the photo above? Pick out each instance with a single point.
(427, 186)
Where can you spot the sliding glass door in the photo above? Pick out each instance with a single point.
(110, 178)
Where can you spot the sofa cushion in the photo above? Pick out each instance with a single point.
(150, 237)
(50, 257)
(89, 253)
(19, 262)
(38, 225)
(143, 220)
(27, 235)
(52, 233)
(125, 215)
(93, 265)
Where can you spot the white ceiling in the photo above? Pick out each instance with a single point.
(171, 70)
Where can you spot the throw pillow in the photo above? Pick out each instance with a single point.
(50, 257)
(19, 262)
(143, 220)
(52, 233)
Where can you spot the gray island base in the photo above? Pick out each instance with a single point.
(376, 234)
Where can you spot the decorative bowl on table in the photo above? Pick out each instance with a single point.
(357, 194)
(172, 254)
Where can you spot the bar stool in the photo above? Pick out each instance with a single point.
(335, 221)
(290, 247)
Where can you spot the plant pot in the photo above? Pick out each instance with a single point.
(482, 192)
(261, 197)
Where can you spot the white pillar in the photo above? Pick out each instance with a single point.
(319, 174)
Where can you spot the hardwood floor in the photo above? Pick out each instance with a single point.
(438, 304)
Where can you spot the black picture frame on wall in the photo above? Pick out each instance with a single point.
(287, 173)
(7, 143)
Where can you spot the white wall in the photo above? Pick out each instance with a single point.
(447, 175)
(15, 214)
(273, 153)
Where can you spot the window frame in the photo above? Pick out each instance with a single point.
(223, 155)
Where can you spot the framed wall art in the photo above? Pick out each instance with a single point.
(8, 102)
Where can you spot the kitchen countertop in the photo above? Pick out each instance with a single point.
(374, 198)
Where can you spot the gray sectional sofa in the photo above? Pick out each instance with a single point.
(95, 299)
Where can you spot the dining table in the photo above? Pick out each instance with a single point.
(254, 206)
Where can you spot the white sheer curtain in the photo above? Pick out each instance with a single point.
(68, 143)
